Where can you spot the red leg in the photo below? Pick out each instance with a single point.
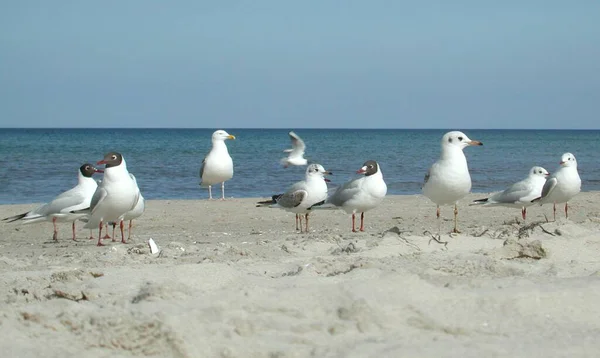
(114, 225)
(297, 223)
(107, 236)
(524, 213)
(55, 235)
(74, 238)
(100, 234)
(566, 211)
(129, 231)
(456, 220)
(306, 223)
(437, 212)
(554, 211)
(362, 221)
(353, 222)
(121, 226)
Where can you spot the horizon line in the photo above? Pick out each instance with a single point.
(313, 128)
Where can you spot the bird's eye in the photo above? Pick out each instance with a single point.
(460, 138)
(114, 157)
(450, 140)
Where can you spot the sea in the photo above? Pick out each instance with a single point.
(38, 164)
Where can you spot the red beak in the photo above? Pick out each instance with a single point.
(100, 162)
(327, 180)
(561, 163)
(99, 171)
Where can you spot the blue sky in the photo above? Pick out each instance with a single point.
(300, 64)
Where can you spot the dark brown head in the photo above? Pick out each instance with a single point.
(111, 159)
(87, 170)
(369, 168)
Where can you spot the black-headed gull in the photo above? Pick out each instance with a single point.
(217, 166)
(563, 185)
(303, 195)
(116, 194)
(520, 194)
(59, 209)
(360, 194)
(448, 180)
(296, 153)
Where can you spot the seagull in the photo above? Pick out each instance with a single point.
(115, 196)
(296, 154)
(217, 166)
(448, 179)
(303, 195)
(135, 213)
(520, 194)
(59, 209)
(360, 194)
(563, 185)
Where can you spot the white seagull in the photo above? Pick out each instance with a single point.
(116, 194)
(448, 180)
(303, 195)
(59, 209)
(217, 166)
(296, 154)
(360, 194)
(563, 185)
(135, 213)
(520, 194)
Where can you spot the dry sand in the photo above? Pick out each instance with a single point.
(233, 280)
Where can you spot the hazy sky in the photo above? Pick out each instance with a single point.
(295, 64)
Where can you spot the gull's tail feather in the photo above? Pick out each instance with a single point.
(15, 218)
(323, 205)
(81, 211)
(273, 200)
(480, 201)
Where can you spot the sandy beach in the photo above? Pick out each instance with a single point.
(233, 280)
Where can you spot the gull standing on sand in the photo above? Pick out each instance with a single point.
(135, 213)
(303, 195)
(360, 194)
(59, 209)
(217, 166)
(520, 194)
(448, 180)
(563, 185)
(116, 195)
(296, 154)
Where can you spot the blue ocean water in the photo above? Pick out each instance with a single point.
(38, 164)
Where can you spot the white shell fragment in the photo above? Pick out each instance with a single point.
(153, 247)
